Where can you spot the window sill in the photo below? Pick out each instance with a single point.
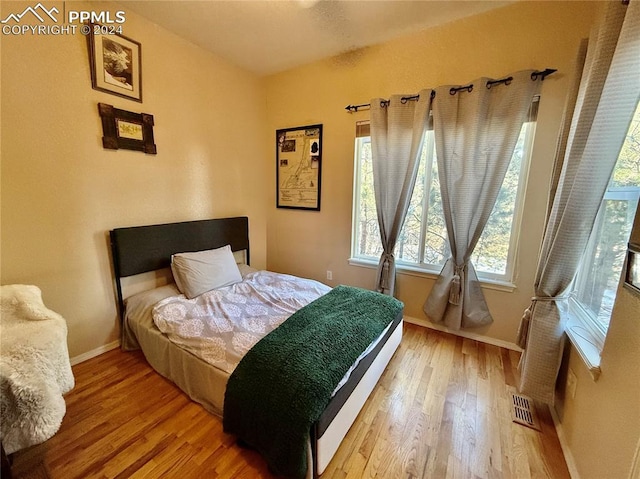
(422, 273)
(585, 343)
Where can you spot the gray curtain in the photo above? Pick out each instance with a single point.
(397, 130)
(475, 135)
(607, 97)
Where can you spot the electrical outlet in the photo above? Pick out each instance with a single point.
(329, 275)
(572, 384)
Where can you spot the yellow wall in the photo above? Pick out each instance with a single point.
(601, 424)
(62, 192)
(521, 36)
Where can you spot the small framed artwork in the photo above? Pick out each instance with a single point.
(632, 274)
(116, 63)
(127, 130)
(299, 167)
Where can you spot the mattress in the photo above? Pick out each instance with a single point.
(221, 325)
(203, 381)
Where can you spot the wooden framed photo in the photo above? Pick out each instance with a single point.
(632, 274)
(116, 63)
(299, 167)
(127, 130)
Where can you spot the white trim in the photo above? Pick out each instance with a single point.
(465, 334)
(501, 282)
(566, 452)
(357, 186)
(586, 345)
(580, 316)
(402, 268)
(529, 128)
(94, 352)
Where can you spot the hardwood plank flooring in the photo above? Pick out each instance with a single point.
(440, 410)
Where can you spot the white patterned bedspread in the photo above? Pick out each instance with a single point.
(222, 325)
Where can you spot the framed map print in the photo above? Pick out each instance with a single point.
(299, 167)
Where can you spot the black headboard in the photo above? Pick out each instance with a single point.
(140, 249)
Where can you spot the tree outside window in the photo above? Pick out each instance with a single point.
(597, 279)
(422, 242)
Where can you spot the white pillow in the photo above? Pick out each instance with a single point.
(245, 269)
(197, 273)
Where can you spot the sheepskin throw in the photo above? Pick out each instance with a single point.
(34, 368)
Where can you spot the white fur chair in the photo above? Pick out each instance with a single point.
(34, 368)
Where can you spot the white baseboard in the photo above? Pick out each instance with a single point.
(94, 352)
(465, 334)
(568, 457)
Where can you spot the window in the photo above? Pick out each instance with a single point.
(596, 282)
(422, 243)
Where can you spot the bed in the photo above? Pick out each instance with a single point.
(141, 249)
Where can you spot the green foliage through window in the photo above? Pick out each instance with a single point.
(597, 280)
(422, 242)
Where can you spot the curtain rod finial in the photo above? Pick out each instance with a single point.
(543, 74)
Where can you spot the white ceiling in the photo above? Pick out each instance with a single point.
(269, 36)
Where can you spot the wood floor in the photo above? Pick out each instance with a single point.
(441, 410)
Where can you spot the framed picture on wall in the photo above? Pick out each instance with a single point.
(299, 167)
(632, 275)
(126, 129)
(116, 63)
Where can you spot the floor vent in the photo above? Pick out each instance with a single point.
(523, 411)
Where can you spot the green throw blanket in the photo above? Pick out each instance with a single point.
(284, 383)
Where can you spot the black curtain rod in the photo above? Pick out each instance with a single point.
(469, 88)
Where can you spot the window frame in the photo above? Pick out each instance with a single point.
(596, 332)
(583, 329)
(504, 282)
